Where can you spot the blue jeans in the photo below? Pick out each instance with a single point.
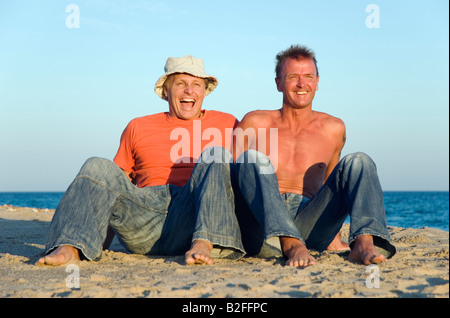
(351, 189)
(161, 220)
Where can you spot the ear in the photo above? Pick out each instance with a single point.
(277, 82)
(317, 85)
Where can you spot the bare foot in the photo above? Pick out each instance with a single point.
(59, 256)
(365, 252)
(337, 244)
(199, 253)
(296, 252)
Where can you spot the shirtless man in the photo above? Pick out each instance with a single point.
(157, 200)
(318, 189)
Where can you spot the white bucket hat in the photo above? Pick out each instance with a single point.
(189, 65)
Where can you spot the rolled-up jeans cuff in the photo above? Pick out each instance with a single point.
(85, 252)
(285, 234)
(223, 246)
(383, 243)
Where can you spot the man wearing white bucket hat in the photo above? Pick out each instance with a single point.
(159, 196)
(190, 68)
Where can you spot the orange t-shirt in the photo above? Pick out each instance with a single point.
(159, 149)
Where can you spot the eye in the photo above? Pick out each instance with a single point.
(291, 77)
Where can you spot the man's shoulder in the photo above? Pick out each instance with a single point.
(219, 114)
(151, 117)
(260, 117)
(329, 119)
(330, 122)
(157, 119)
(262, 113)
(219, 119)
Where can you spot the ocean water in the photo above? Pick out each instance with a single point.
(403, 209)
(417, 209)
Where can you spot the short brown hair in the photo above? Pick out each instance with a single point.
(294, 52)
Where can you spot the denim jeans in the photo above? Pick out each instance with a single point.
(161, 220)
(351, 189)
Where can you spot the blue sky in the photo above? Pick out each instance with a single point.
(66, 94)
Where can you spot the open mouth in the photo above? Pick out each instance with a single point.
(188, 102)
(301, 93)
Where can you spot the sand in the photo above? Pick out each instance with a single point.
(420, 269)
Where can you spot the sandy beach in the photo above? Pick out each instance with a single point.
(420, 269)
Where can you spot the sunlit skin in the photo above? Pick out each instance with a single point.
(185, 94)
(61, 255)
(199, 253)
(309, 147)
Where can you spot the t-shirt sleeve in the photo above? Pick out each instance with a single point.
(125, 155)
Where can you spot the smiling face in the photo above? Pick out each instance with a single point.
(185, 94)
(298, 82)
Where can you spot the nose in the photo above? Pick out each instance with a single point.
(300, 82)
(188, 89)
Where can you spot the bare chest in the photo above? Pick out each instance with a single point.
(298, 152)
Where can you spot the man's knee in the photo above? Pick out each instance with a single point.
(258, 159)
(214, 161)
(359, 159)
(216, 154)
(95, 165)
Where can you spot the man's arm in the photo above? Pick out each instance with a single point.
(245, 133)
(241, 137)
(340, 142)
(337, 243)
